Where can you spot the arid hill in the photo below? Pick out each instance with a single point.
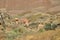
(23, 4)
(15, 6)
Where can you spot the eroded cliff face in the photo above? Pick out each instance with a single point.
(55, 6)
(43, 5)
(23, 4)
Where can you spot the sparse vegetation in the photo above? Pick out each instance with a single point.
(17, 29)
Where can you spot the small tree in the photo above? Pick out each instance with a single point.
(2, 20)
(3, 16)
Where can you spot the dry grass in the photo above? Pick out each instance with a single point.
(47, 35)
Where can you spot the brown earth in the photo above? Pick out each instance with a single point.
(23, 4)
(19, 6)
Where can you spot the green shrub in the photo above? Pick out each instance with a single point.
(47, 26)
(53, 26)
(50, 26)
